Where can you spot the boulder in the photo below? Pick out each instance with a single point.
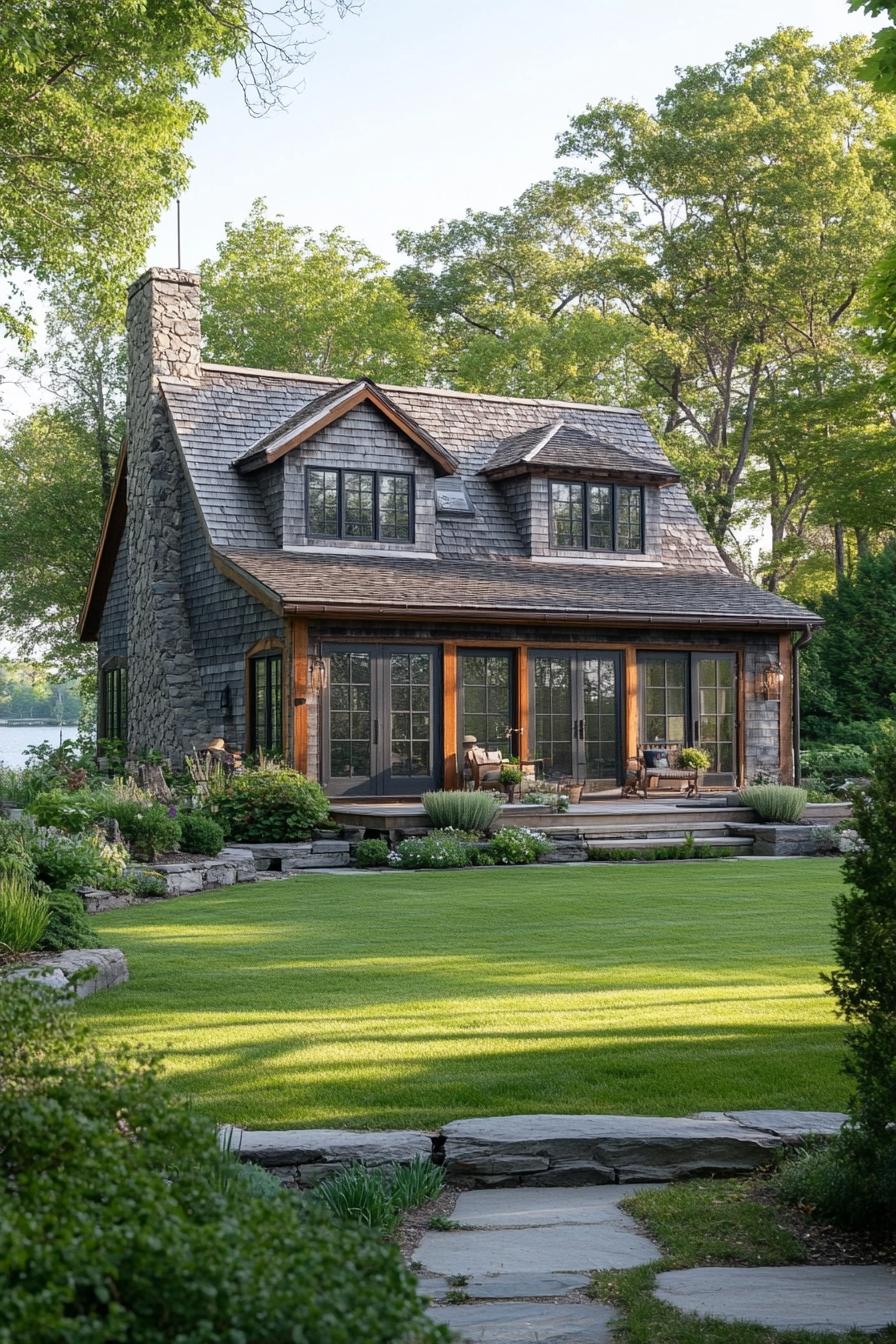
(105, 967)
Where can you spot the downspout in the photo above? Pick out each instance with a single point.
(795, 709)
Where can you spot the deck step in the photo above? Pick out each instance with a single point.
(638, 828)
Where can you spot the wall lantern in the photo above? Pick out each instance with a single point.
(772, 681)
(317, 672)
(226, 702)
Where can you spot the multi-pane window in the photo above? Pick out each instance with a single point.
(587, 517)
(359, 505)
(266, 692)
(486, 688)
(664, 698)
(114, 726)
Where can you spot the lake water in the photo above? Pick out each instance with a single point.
(14, 742)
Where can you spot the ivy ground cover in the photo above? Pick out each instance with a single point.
(408, 999)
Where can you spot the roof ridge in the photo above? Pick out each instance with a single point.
(429, 391)
(544, 440)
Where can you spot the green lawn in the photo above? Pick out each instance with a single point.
(408, 999)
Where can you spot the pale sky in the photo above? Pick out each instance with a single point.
(415, 111)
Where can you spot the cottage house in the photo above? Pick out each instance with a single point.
(359, 576)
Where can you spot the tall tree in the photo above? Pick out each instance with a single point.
(763, 194)
(277, 296)
(95, 109)
(520, 300)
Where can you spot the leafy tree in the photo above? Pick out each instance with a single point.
(278, 297)
(762, 195)
(27, 691)
(95, 109)
(519, 300)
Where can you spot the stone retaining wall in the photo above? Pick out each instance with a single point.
(106, 967)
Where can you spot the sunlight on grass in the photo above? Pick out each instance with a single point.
(420, 997)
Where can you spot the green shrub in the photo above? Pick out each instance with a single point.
(849, 1180)
(270, 805)
(518, 844)
(67, 925)
(480, 858)
(774, 802)
(693, 758)
(117, 1225)
(200, 834)
(462, 810)
(510, 774)
(67, 861)
(417, 1183)
(372, 853)
(15, 855)
(836, 764)
(432, 851)
(600, 855)
(375, 1196)
(72, 811)
(23, 916)
(144, 882)
(148, 828)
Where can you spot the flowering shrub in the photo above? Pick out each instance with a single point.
(270, 805)
(518, 844)
(430, 851)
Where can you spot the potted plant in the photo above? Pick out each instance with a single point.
(573, 789)
(693, 758)
(510, 777)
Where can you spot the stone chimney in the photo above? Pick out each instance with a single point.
(166, 712)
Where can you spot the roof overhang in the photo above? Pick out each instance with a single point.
(298, 429)
(106, 552)
(636, 474)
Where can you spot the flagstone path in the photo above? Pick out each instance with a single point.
(522, 1257)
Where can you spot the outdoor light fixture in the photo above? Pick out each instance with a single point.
(226, 701)
(772, 681)
(317, 671)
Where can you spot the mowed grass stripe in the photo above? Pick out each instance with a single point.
(415, 998)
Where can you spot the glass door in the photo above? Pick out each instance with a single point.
(380, 720)
(485, 700)
(713, 700)
(576, 715)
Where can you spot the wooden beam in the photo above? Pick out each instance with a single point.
(630, 726)
(522, 703)
(299, 707)
(451, 774)
(785, 707)
(741, 719)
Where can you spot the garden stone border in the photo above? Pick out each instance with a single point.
(63, 970)
(546, 1150)
(225, 869)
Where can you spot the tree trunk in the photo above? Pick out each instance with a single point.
(839, 551)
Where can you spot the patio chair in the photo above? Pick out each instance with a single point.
(485, 767)
(659, 768)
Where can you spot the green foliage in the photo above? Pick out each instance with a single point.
(274, 805)
(71, 810)
(462, 810)
(147, 883)
(66, 861)
(27, 690)
(67, 924)
(148, 828)
(849, 1181)
(375, 1196)
(774, 802)
(170, 1250)
(23, 915)
(510, 774)
(692, 758)
(662, 853)
(436, 850)
(835, 764)
(372, 853)
(200, 834)
(279, 297)
(518, 844)
(715, 1222)
(16, 859)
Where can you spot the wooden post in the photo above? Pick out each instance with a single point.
(785, 711)
(449, 716)
(741, 719)
(522, 703)
(299, 682)
(630, 727)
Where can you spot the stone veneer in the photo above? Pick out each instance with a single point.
(165, 704)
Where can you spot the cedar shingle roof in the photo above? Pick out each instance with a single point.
(320, 583)
(566, 446)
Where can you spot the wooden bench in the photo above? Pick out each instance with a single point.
(657, 767)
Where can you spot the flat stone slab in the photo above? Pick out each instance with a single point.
(325, 1147)
(83, 970)
(497, 1286)
(545, 1208)
(527, 1250)
(832, 1298)
(528, 1322)
(599, 1149)
(788, 1124)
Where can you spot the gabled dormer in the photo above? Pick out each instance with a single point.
(350, 470)
(574, 496)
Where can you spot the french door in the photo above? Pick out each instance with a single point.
(691, 699)
(380, 719)
(575, 702)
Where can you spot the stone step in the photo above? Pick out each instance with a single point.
(833, 1299)
(737, 844)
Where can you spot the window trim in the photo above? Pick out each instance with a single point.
(264, 652)
(340, 534)
(585, 488)
(109, 668)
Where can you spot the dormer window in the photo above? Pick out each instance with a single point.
(589, 517)
(349, 505)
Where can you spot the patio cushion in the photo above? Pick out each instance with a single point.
(656, 760)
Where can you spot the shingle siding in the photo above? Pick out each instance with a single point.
(112, 640)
